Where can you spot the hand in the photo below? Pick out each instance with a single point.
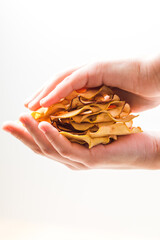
(138, 83)
(135, 151)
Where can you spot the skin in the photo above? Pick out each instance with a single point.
(136, 82)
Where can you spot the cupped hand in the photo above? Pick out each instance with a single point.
(135, 151)
(136, 82)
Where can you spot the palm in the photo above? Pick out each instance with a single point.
(127, 152)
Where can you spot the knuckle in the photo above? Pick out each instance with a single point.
(72, 168)
(95, 71)
(52, 140)
(46, 150)
(91, 163)
(64, 152)
(156, 149)
(97, 65)
(37, 151)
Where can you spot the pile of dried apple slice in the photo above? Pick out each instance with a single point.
(90, 116)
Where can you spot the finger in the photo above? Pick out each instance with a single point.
(88, 76)
(21, 133)
(31, 98)
(49, 86)
(32, 127)
(46, 147)
(64, 147)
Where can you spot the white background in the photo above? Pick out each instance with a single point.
(39, 198)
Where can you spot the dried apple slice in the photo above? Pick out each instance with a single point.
(73, 113)
(90, 116)
(103, 115)
(46, 112)
(114, 129)
(85, 138)
(91, 93)
(81, 126)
